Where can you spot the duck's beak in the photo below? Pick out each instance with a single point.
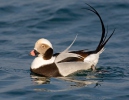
(32, 53)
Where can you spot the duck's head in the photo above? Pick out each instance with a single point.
(43, 48)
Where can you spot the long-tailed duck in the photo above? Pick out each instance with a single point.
(67, 62)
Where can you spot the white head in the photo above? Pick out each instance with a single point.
(44, 41)
(44, 48)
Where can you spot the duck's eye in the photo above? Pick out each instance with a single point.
(43, 46)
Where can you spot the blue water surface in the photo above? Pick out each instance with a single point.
(23, 22)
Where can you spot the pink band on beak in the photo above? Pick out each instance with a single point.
(32, 53)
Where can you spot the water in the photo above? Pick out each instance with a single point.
(22, 22)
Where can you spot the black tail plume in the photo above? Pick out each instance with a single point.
(104, 38)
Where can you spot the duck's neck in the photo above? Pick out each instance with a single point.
(39, 61)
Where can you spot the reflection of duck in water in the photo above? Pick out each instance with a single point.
(67, 62)
(40, 79)
(74, 82)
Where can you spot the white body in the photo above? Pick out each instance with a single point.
(39, 61)
(66, 68)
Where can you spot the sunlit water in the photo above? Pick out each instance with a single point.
(22, 22)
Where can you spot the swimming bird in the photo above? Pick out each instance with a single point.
(66, 62)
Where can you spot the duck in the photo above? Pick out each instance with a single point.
(50, 64)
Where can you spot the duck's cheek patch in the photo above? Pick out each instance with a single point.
(48, 54)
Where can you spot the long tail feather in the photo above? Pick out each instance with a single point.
(104, 38)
